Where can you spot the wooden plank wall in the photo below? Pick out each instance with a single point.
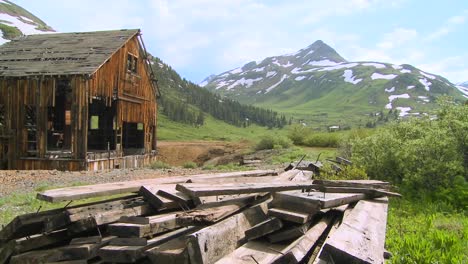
(136, 103)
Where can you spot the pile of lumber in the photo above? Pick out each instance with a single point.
(240, 217)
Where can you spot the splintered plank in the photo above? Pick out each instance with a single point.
(266, 227)
(176, 196)
(361, 236)
(296, 251)
(131, 254)
(198, 190)
(291, 216)
(311, 202)
(156, 224)
(98, 190)
(211, 243)
(369, 191)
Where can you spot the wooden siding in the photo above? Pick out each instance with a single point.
(133, 94)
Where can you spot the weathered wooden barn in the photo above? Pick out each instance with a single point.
(77, 101)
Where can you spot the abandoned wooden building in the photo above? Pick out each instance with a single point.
(77, 101)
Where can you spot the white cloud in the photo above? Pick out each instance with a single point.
(449, 26)
(397, 37)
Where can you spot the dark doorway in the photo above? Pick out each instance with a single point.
(101, 125)
(133, 138)
(59, 118)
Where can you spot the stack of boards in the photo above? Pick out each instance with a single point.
(237, 217)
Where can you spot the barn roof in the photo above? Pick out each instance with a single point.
(61, 53)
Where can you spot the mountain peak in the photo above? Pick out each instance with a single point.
(320, 51)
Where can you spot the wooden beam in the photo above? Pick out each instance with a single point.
(156, 224)
(291, 216)
(355, 183)
(174, 251)
(253, 252)
(297, 251)
(98, 190)
(361, 236)
(292, 232)
(131, 254)
(261, 229)
(150, 192)
(211, 243)
(176, 196)
(198, 190)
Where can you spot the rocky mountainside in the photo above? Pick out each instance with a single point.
(317, 84)
(16, 21)
(463, 87)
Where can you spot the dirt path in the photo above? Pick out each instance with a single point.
(175, 153)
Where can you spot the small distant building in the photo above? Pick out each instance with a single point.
(333, 128)
(77, 101)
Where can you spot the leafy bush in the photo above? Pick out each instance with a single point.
(190, 165)
(422, 156)
(208, 167)
(270, 142)
(159, 165)
(330, 140)
(297, 133)
(350, 172)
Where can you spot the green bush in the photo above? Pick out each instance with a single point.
(159, 165)
(297, 133)
(330, 140)
(350, 172)
(208, 167)
(270, 142)
(190, 165)
(424, 157)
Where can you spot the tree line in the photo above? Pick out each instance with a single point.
(186, 102)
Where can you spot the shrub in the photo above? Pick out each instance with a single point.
(159, 165)
(270, 142)
(297, 133)
(208, 167)
(190, 165)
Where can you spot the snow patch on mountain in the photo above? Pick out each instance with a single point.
(393, 97)
(243, 82)
(376, 76)
(391, 90)
(339, 66)
(348, 77)
(299, 78)
(322, 63)
(424, 98)
(427, 75)
(426, 83)
(397, 67)
(374, 64)
(259, 69)
(276, 84)
(271, 74)
(463, 90)
(410, 87)
(404, 111)
(405, 71)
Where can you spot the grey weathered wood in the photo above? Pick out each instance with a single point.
(198, 190)
(211, 243)
(292, 232)
(86, 240)
(150, 192)
(176, 196)
(355, 183)
(361, 236)
(369, 191)
(156, 224)
(296, 251)
(129, 241)
(311, 202)
(253, 252)
(98, 190)
(174, 251)
(130, 254)
(261, 229)
(288, 215)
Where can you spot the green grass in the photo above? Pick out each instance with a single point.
(424, 232)
(213, 129)
(296, 153)
(159, 165)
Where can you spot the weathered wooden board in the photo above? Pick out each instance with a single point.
(361, 236)
(150, 192)
(369, 191)
(180, 198)
(254, 252)
(261, 229)
(174, 251)
(82, 192)
(296, 251)
(289, 233)
(355, 183)
(291, 216)
(156, 224)
(198, 190)
(311, 202)
(211, 243)
(130, 254)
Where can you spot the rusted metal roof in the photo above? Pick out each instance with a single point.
(78, 53)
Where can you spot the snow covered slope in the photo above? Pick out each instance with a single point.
(316, 80)
(15, 21)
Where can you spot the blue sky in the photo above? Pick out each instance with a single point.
(199, 38)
